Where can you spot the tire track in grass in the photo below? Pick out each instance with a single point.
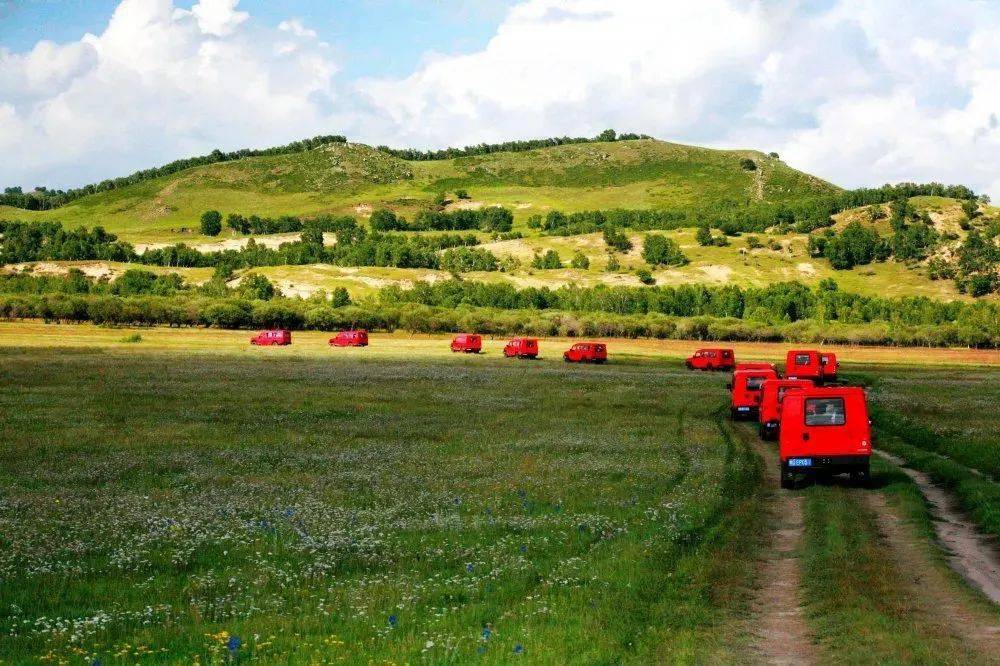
(778, 627)
(928, 585)
(969, 553)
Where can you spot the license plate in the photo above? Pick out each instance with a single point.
(800, 462)
(743, 409)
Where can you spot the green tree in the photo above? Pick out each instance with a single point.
(616, 240)
(257, 287)
(607, 135)
(383, 220)
(748, 164)
(462, 194)
(580, 260)
(613, 265)
(659, 250)
(549, 260)
(340, 298)
(211, 222)
(497, 218)
(645, 276)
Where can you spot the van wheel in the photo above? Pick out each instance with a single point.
(787, 481)
(862, 477)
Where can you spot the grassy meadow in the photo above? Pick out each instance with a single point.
(183, 497)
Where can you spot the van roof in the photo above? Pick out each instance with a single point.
(823, 391)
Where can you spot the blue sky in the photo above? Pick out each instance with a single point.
(857, 92)
(375, 37)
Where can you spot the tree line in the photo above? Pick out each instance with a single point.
(355, 246)
(42, 198)
(495, 219)
(413, 154)
(784, 312)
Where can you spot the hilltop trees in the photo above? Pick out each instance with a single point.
(616, 239)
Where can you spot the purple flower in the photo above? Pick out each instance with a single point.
(487, 633)
(518, 649)
(524, 549)
(393, 621)
(468, 567)
(233, 645)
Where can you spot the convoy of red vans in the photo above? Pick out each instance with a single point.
(822, 429)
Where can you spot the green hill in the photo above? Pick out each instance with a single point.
(353, 179)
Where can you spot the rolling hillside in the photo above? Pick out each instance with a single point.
(353, 179)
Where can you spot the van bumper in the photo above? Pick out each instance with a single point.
(833, 464)
(745, 413)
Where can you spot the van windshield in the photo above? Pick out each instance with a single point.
(825, 411)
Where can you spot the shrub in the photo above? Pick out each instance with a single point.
(549, 260)
(748, 164)
(645, 276)
(753, 242)
(579, 260)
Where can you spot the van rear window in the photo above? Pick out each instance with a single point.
(802, 359)
(825, 411)
(753, 383)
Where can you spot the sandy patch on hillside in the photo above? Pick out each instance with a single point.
(465, 204)
(522, 206)
(267, 240)
(364, 209)
(97, 270)
(716, 272)
(805, 268)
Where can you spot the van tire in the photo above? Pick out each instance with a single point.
(862, 476)
(787, 481)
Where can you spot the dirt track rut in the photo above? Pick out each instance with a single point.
(969, 552)
(779, 629)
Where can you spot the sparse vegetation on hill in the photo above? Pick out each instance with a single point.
(505, 147)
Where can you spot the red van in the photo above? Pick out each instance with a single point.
(521, 348)
(469, 343)
(830, 366)
(825, 430)
(711, 359)
(275, 337)
(772, 392)
(586, 352)
(745, 389)
(350, 339)
(804, 364)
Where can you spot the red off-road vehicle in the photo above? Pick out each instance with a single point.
(521, 348)
(745, 389)
(586, 352)
(470, 343)
(274, 337)
(772, 393)
(830, 366)
(350, 339)
(825, 430)
(804, 364)
(711, 359)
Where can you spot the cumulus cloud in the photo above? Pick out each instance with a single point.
(858, 92)
(157, 84)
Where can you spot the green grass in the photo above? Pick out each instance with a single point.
(299, 501)
(853, 600)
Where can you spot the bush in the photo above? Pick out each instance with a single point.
(753, 243)
(613, 265)
(580, 260)
(616, 240)
(462, 194)
(549, 260)
(645, 276)
(703, 236)
(211, 222)
(748, 164)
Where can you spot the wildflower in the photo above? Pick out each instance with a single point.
(518, 649)
(487, 633)
(428, 645)
(524, 549)
(233, 645)
(468, 567)
(288, 512)
(393, 620)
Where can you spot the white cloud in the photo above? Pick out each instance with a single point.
(858, 92)
(157, 84)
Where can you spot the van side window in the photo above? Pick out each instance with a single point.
(802, 359)
(825, 411)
